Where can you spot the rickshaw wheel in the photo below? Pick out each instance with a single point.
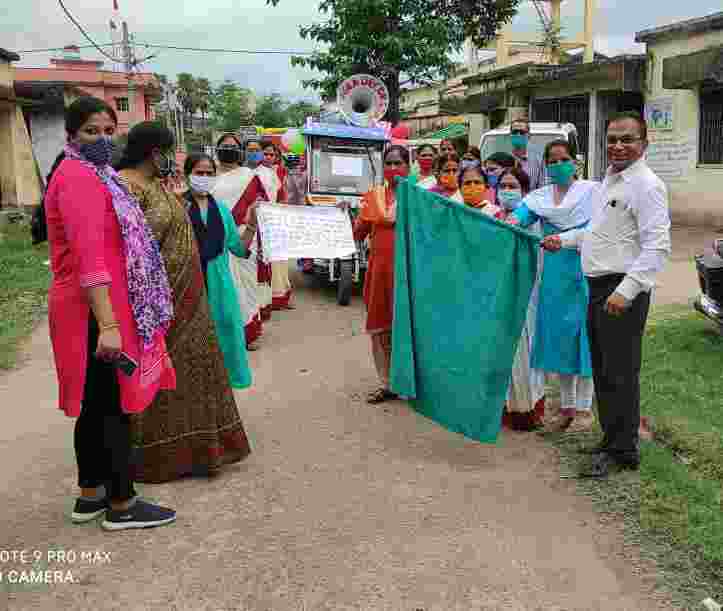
(345, 282)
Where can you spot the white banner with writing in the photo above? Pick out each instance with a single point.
(304, 232)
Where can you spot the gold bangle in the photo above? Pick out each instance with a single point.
(108, 327)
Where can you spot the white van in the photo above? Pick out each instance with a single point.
(498, 140)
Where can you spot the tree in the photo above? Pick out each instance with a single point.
(395, 39)
(229, 107)
(271, 111)
(187, 89)
(204, 90)
(297, 112)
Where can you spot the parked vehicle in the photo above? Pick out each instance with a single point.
(710, 276)
(498, 140)
(344, 152)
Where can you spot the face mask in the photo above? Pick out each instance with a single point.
(390, 174)
(100, 152)
(469, 163)
(473, 195)
(202, 184)
(519, 141)
(425, 165)
(493, 179)
(510, 199)
(561, 173)
(449, 182)
(167, 166)
(255, 158)
(228, 154)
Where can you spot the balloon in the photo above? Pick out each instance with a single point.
(401, 132)
(298, 145)
(289, 136)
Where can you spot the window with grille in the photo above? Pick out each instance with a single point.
(121, 104)
(711, 127)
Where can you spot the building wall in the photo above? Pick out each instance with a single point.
(102, 84)
(29, 191)
(47, 131)
(478, 125)
(673, 154)
(7, 159)
(18, 177)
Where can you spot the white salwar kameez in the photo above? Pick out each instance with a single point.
(229, 188)
(527, 385)
(280, 283)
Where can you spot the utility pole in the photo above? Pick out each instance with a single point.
(128, 63)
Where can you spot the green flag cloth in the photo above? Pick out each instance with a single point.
(463, 281)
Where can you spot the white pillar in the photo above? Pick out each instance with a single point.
(592, 160)
(589, 31)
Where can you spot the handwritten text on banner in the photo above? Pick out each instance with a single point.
(304, 232)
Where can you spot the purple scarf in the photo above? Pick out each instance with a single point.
(149, 291)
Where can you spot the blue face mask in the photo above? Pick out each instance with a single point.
(100, 152)
(561, 173)
(255, 158)
(519, 141)
(493, 179)
(510, 200)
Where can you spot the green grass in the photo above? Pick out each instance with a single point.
(24, 281)
(673, 508)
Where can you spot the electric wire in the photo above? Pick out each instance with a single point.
(84, 33)
(107, 44)
(243, 51)
(176, 48)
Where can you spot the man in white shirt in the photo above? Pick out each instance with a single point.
(532, 165)
(623, 248)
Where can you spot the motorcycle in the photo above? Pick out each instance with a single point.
(710, 277)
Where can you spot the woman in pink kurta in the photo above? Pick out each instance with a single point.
(109, 309)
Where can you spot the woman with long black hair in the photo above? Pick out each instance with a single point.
(109, 311)
(197, 428)
(218, 238)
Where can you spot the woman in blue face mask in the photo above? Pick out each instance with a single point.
(561, 342)
(525, 406)
(109, 310)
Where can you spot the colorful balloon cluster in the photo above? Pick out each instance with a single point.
(293, 142)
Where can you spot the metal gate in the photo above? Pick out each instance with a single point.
(575, 110)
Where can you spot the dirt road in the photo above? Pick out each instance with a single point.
(340, 506)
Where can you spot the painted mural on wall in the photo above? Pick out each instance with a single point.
(659, 114)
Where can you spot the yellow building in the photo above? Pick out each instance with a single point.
(489, 91)
(20, 184)
(684, 107)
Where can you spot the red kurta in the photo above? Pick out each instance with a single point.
(86, 250)
(379, 280)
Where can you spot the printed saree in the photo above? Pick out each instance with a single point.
(195, 429)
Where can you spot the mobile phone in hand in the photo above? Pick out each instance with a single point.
(126, 364)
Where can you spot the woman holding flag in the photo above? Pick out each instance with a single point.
(377, 220)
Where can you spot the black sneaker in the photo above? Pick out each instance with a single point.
(140, 515)
(86, 510)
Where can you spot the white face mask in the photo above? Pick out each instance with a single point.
(202, 184)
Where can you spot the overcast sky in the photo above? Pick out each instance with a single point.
(250, 24)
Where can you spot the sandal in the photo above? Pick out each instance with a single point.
(559, 424)
(381, 396)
